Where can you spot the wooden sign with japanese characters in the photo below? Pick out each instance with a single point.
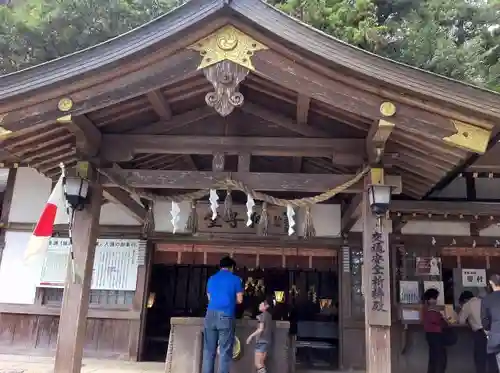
(237, 222)
(115, 265)
(377, 272)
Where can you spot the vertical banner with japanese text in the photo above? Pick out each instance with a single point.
(377, 285)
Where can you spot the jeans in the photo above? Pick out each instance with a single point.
(437, 353)
(218, 331)
(261, 346)
(480, 353)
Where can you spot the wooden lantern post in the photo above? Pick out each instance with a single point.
(73, 319)
(376, 284)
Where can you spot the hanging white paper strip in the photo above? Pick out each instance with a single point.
(176, 216)
(214, 198)
(250, 206)
(290, 213)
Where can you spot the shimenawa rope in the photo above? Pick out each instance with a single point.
(237, 185)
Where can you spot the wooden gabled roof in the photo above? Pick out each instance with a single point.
(120, 87)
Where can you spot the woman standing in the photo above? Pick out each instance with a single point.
(434, 326)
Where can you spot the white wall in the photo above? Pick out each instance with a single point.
(437, 228)
(18, 278)
(326, 220)
(162, 217)
(487, 188)
(31, 191)
(358, 227)
(491, 231)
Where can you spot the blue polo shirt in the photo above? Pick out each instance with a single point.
(222, 288)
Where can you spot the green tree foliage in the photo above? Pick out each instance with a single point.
(36, 31)
(456, 38)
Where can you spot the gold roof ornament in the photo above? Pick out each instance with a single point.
(4, 132)
(64, 119)
(227, 43)
(387, 109)
(469, 137)
(65, 105)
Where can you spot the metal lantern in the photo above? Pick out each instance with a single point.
(77, 192)
(379, 196)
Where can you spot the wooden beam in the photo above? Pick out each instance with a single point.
(302, 117)
(485, 209)
(283, 121)
(489, 162)
(303, 104)
(88, 136)
(351, 213)
(163, 126)
(75, 304)
(164, 111)
(159, 104)
(297, 164)
(397, 224)
(118, 148)
(376, 140)
(6, 204)
(120, 197)
(365, 101)
(106, 89)
(168, 179)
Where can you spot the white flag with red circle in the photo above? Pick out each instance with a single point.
(44, 229)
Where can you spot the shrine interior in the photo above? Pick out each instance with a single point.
(307, 297)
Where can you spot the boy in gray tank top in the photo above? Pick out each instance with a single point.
(263, 335)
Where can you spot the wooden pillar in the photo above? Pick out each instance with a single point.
(6, 203)
(73, 318)
(376, 286)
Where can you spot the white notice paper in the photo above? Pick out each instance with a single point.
(473, 278)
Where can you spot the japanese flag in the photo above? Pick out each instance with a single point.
(39, 240)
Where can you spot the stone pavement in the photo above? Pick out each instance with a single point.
(32, 364)
(35, 364)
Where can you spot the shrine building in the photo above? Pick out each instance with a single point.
(342, 183)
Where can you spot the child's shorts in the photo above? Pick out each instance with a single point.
(261, 346)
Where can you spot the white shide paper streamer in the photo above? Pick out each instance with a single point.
(290, 213)
(214, 204)
(176, 216)
(250, 206)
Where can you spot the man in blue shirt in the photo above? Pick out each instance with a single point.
(224, 291)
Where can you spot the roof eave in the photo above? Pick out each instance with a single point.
(112, 51)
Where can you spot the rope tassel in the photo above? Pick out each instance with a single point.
(309, 230)
(192, 222)
(263, 228)
(228, 206)
(149, 221)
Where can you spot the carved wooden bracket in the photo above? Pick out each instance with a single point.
(225, 76)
